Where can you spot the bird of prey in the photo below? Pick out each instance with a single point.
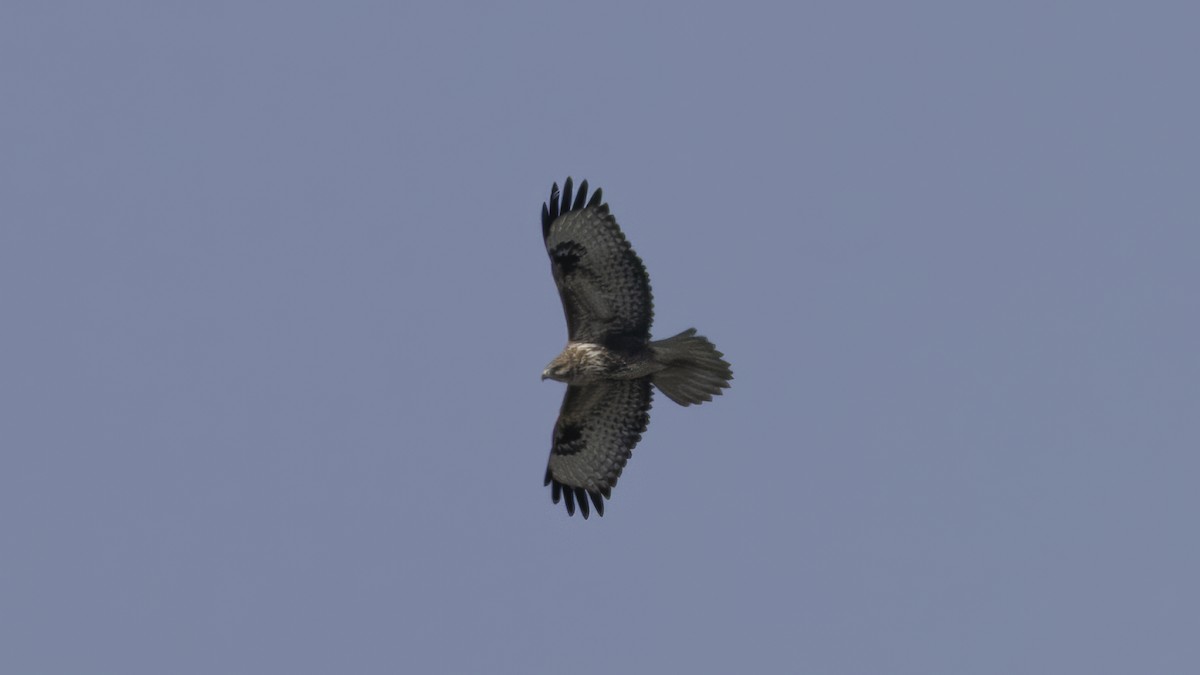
(609, 364)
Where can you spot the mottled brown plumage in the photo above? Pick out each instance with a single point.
(609, 362)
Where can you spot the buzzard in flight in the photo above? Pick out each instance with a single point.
(609, 364)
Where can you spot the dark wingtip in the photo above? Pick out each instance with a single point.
(552, 210)
(570, 201)
(577, 495)
(581, 497)
(569, 494)
(567, 193)
(581, 197)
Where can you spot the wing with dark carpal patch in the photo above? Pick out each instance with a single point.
(603, 284)
(597, 428)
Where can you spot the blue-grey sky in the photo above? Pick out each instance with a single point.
(274, 311)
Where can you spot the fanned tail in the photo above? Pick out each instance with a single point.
(695, 371)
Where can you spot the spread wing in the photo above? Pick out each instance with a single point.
(603, 284)
(596, 430)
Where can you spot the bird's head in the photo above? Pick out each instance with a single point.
(578, 363)
(559, 369)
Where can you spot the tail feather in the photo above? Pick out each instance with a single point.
(695, 371)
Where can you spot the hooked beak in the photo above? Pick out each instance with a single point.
(545, 376)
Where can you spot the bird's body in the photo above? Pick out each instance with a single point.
(610, 363)
(585, 362)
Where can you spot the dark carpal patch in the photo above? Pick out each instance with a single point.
(567, 255)
(569, 440)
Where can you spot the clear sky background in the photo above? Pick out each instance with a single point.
(274, 309)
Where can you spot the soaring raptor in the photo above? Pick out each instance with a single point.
(609, 364)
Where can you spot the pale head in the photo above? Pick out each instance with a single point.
(579, 362)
